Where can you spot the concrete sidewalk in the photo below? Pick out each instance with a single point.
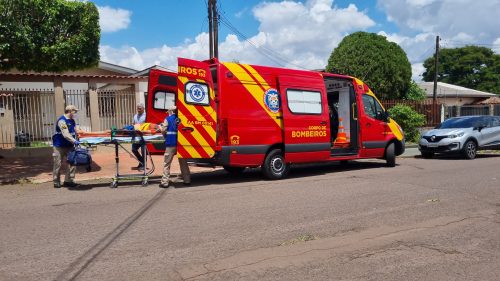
(39, 169)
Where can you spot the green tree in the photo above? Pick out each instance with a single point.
(470, 66)
(408, 119)
(48, 35)
(415, 92)
(381, 64)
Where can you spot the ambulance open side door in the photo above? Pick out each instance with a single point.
(305, 118)
(196, 110)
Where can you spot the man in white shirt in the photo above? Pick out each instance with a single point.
(139, 118)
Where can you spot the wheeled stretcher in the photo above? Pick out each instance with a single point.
(118, 137)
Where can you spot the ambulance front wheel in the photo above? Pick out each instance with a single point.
(275, 167)
(390, 155)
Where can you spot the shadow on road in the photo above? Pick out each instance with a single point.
(221, 177)
(458, 156)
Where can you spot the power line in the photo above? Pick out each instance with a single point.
(267, 52)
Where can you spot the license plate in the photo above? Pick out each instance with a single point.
(432, 145)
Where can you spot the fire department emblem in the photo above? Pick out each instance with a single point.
(271, 100)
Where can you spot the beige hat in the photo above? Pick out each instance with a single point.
(71, 108)
(172, 108)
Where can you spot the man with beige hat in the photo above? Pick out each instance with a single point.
(169, 131)
(64, 141)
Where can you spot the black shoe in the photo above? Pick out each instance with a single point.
(140, 166)
(163, 185)
(186, 183)
(70, 184)
(57, 185)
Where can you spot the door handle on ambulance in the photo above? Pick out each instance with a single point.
(322, 123)
(188, 129)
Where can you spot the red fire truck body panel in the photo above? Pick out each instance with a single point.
(239, 115)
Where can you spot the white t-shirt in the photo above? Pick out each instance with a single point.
(140, 119)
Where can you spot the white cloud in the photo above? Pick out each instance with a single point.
(458, 22)
(496, 45)
(112, 20)
(476, 20)
(301, 34)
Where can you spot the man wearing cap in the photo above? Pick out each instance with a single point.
(169, 131)
(139, 119)
(64, 141)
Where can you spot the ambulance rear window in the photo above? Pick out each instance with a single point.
(304, 102)
(163, 100)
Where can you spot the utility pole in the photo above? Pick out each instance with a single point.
(216, 29)
(434, 92)
(210, 29)
(213, 28)
(436, 66)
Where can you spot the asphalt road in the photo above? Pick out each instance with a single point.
(435, 219)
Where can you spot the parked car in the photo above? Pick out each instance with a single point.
(465, 135)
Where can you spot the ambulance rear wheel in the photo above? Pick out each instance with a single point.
(275, 167)
(234, 170)
(390, 155)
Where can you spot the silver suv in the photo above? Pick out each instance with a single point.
(465, 135)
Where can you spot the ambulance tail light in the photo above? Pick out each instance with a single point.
(223, 138)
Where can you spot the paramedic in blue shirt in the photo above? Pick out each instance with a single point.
(139, 119)
(169, 131)
(64, 141)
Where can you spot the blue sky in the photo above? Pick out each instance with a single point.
(298, 34)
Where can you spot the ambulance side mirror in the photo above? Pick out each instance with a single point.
(383, 116)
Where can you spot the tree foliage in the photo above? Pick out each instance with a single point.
(48, 35)
(408, 119)
(471, 66)
(415, 92)
(381, 64)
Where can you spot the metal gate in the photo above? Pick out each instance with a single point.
(26, 117)
(116, 108)
(80, 99)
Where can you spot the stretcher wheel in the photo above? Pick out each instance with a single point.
(144, 183)
(114, 184)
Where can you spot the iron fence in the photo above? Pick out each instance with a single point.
(26, 117)
(116, 108)
(468, 110)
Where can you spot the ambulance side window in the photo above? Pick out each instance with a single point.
(304, 102)
(372, 107)
(163, 100)
(197, 93)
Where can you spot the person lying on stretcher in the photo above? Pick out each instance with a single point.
(146, 129)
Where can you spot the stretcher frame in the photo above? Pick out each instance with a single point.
(137, 138)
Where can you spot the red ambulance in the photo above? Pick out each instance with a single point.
(238, 115)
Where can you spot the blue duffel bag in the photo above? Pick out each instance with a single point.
(80, 157)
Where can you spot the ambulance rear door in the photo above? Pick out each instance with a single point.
(196, 110)
(305, 118)
(162, 88)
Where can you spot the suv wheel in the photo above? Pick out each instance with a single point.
(470, 150)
